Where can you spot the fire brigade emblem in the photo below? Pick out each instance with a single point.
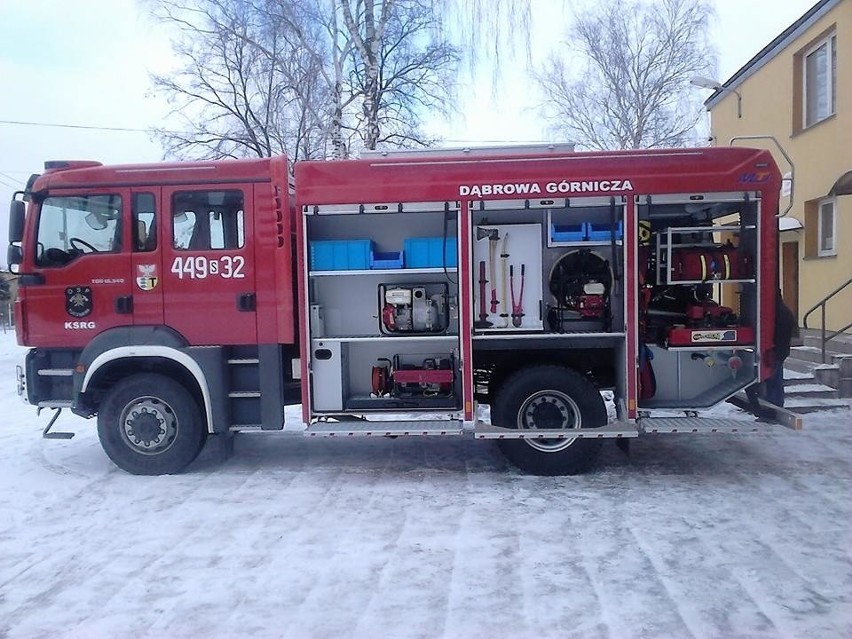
(78, 301)
(146, 276)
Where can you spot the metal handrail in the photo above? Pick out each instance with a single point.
(791, 179)
(821, 305)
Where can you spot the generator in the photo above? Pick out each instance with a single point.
(419, 308)
(433, 377)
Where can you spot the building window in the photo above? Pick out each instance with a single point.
(827, 228)
(820, 81)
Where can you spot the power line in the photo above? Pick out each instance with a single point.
(13, 184)
(151, 130)
(76, 126)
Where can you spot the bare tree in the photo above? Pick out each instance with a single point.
(234, 99)
(400, 74)
(272, 76)
(629, 85)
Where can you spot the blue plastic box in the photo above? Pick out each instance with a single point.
(386, 260)
(430, 252)
(603, 232)
(568, 232)
(340, 255)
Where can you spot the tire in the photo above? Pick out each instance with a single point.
(549, 397)
(150, 424)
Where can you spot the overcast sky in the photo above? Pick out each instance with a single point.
(87, 63)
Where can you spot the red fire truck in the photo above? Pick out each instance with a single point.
(581, 296)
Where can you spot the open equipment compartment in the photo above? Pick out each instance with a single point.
(574, 297)
(385, 332)
(698, 298)
(569, 254)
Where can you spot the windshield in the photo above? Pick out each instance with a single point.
(69, 226)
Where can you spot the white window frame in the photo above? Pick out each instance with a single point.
(830, 42)
(822, 250)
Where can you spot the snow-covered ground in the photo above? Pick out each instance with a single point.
(688, 536)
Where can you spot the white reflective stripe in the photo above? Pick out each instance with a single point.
(124, 352)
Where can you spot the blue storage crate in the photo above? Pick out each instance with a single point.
(430, 252)
(386, 260)
(568, 232)
(340, 255)
(603, 232)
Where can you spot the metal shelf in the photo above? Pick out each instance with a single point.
(751, 280)
(388, 338)
(581, 244)
(388, 271)
(665, 245)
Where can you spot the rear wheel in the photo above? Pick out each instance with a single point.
(549, 398)
(150, 424)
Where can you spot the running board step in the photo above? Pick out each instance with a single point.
(610, 431)
(55, 403)
(700, 425)
(384, 429)
(55, 372)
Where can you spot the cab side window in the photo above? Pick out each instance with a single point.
(144, 222)
(208, 220)
(72, 225)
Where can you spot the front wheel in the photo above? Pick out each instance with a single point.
(549, 398)
(150, 424)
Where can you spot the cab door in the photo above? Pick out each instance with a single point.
(147, 261)
(77, 276)
(208, 264)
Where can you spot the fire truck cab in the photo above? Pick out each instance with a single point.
(581, 296)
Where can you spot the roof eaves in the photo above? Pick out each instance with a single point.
(781, 42)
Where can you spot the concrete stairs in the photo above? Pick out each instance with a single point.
(803, 393)
(810, 385)
(836, 372)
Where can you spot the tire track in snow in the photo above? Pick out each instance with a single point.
(667, 533)
(166, 566)
(308, 534)
(356, 534)
(404, 600)
(210, 556)
(558, 599)
(111, 534)
(661, 573)
(452, 589)
(698, 588)
(730, 556)
(624, 578)
(792, 550)
(744, 558)
(487, 567)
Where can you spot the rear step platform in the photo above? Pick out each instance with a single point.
(656, 425)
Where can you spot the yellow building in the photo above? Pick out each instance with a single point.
(798, 89)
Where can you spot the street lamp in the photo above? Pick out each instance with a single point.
(707, 83)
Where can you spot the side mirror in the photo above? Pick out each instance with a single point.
(14, 255)
(16, 221)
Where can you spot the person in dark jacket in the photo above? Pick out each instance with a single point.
(785, 326)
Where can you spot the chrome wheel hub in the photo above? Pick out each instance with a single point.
(149, 425)
(549, 410)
